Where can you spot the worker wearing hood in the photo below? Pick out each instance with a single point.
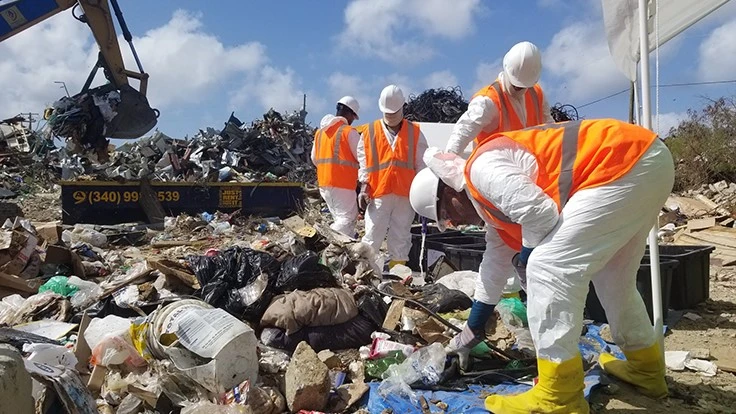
(513, 101)
(335, 154)
(390, 154)
(565, 204)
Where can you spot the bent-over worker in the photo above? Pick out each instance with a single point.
(576, 200)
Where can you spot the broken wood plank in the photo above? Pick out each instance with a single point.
(727, 366)
(394, 314)
(712, 205)
(700, 224)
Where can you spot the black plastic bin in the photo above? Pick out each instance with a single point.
(416, 242)
(594, 309)
(437, 240)
(466, 257)
(691, 279)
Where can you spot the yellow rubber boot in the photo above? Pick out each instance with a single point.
(644, 369)
(392, 263)
(559, 390)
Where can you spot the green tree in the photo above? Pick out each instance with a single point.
(704, 145)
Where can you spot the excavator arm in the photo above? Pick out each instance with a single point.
(131, 115)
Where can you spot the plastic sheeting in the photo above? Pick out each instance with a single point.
(472, 401)
(621, 19)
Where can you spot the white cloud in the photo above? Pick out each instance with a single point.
(280, 89)
(718, 53)
(185, 62)
(486, 73)
(400, 30)
(667, 121)
(440, 79)
(580, 63)
(58, 49)
(340, 84)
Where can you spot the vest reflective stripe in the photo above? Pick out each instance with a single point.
(376, 166)
(505, 120)
(570, 136)
(336, 151)
(570, 156)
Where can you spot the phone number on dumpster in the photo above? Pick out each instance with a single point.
(117, 197)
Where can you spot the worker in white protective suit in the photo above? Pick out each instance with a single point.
(335, 154)
(390, 154)
(565, 204)
(513, 101)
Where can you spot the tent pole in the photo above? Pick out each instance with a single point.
(646, 122)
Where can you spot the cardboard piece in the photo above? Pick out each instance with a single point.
(394, 314)
(64, 256)
(49, 232)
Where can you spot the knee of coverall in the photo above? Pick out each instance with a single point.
(495, 270)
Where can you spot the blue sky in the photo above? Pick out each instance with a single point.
(207, 59)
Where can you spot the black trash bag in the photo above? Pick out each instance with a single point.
(239, 280)
(372, 306)
(304, 272)
(349, 335)
(440, 299)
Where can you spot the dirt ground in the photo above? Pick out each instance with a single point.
(691, 392)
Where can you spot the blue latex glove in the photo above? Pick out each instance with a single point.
(524, 254)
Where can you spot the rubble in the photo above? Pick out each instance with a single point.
(275, 148)
(307, 381)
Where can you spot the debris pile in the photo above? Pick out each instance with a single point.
(436, 105)
(705, 216)
(275, 148)
(217, 310)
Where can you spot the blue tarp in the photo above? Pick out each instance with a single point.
(471, 401)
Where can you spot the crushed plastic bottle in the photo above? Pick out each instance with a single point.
(425, 365)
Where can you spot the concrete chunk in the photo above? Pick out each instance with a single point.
(307, 380)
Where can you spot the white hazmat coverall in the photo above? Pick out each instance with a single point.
(342, 203)
(390, 214)
(599, 235)
(482, 114)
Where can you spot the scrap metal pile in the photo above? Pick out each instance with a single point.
(275, 148)
(436, 105)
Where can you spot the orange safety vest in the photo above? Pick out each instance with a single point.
(390, 170)
(508, 119)
(336, 164)
(571, 156)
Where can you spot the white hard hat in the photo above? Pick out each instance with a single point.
(523, 65)
(423, 196)
(391, 100)
(351, 103)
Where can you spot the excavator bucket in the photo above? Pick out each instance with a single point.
(134, 117)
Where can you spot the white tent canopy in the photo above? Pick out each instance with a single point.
(621, 18)
(630, 28)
